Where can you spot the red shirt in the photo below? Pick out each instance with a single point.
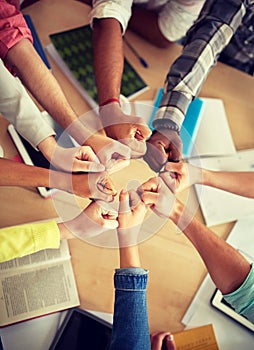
(13, 27)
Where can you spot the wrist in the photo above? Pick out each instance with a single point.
(109, 101)
(206, 177)
(129, 257)
(64, 232)
(47, 147)
(180, 215)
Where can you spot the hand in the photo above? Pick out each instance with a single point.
(76, 159)
(130, 217)
(93, 185)
(158, 196)
(185, 175)
(113, 154)
(162, 341)
(162, 146)
(93, 221)
(130, 130)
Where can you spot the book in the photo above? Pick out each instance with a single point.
(202, 337)
(36, 285)
(72, 51)
(36, 41)
(190, 124)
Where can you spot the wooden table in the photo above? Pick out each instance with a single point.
(176, 270)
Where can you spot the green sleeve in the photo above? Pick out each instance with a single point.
(242, 299)
(17, 241)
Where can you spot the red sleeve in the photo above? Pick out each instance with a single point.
(13, 26)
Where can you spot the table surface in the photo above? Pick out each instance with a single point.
(176, 269)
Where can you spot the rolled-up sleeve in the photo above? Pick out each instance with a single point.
(13, 27)
(20, 110)
(118, 9)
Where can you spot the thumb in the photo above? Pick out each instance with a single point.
(150, 198)
(124, 202)
(170, 342)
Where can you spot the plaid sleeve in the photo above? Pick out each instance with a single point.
(206, 39)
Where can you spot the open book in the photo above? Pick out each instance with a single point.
(72, 51)
(36, 285)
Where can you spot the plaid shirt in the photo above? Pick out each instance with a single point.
(224, 27)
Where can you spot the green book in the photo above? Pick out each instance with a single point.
(73, 52)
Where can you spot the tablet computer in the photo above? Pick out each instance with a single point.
(82, 330)
(31, 156)
(220, 304)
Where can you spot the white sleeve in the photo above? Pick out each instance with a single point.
(177, 17)
(118, 9)
(20, 110)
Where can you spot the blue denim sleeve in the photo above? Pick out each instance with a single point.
(242, 299)
(130, 323)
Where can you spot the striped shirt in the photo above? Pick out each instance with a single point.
(224, 26)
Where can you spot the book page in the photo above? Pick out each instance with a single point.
(42, 257)
(34, 292)
(37, 284)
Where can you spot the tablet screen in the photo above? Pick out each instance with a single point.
(81, 330)
(220, 303)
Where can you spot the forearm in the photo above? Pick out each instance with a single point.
(108, 58)
(240, 183)
(17, 174)
(40, 82)
(129, 257)
(226, 266)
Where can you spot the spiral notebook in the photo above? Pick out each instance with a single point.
(72, 51)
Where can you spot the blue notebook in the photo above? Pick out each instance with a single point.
(190, 125)
(37, 43)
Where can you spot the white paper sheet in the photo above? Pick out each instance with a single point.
(219, 206)
(214, 135)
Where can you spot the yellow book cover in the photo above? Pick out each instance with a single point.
(199, 338)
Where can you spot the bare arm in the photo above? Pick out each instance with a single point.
(227, 268)
(240, 183)
(33, 73)
(108, 57)
(96, 185)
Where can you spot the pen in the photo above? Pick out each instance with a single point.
(141, 59)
